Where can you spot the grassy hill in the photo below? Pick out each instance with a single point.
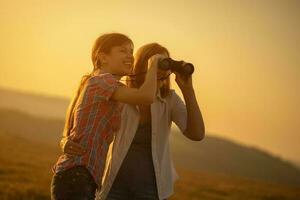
(25, 174)
(25, 169)
(207, 169)
(33, 128)
(214, 186)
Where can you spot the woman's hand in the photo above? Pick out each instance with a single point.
(184, 82)
(71, 148)
(153, 60)
(195, 128)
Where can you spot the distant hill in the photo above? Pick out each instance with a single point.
(38, 105)
(213, 154)
(219, 155)
(33, 128)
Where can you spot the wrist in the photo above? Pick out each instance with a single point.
(188, 91)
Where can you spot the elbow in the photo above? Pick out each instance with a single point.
(201, 137)
(197, 136)
(201, 134)
(148, 99)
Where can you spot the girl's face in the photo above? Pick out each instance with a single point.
(120, 59)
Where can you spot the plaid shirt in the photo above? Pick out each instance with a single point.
(96, 119)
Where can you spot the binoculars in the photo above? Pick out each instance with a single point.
(185, 69)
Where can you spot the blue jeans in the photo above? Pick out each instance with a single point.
(75, 183)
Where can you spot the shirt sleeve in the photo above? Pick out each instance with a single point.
(103, 86)
(178, 111)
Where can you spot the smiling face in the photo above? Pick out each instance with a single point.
(119, 60)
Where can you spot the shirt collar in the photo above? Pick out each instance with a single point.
(159, 97)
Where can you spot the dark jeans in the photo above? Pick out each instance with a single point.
(75, 183)
(124, 193)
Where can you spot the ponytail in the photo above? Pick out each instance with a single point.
(70, 112)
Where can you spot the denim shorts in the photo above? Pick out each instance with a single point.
(75, 183)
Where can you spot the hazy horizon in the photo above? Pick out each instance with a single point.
(247, 76)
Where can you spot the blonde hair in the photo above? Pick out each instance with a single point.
(141, 65)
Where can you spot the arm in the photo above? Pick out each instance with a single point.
(195, 128)
(146, 93)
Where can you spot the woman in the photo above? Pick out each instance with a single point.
(94, 116)
(139, 165)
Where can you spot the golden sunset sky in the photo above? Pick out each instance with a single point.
(246, 54)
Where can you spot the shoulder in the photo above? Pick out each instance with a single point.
(105, 79)
(174, 99)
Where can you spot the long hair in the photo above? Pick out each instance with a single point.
(103, 44)
(141, 65)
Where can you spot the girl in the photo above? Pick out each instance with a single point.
(140, 164)
(94, 116)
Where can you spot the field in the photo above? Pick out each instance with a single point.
(25, 173)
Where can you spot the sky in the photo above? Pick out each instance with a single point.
(245, 53)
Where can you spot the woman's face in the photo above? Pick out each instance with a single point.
(120, 59)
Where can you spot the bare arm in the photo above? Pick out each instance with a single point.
(195, 129)
(143, 95)
(146, 93)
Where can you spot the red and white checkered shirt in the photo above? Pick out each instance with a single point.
(96, 120)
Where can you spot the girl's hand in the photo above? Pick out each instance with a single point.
(153, 60)
(71, 148)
